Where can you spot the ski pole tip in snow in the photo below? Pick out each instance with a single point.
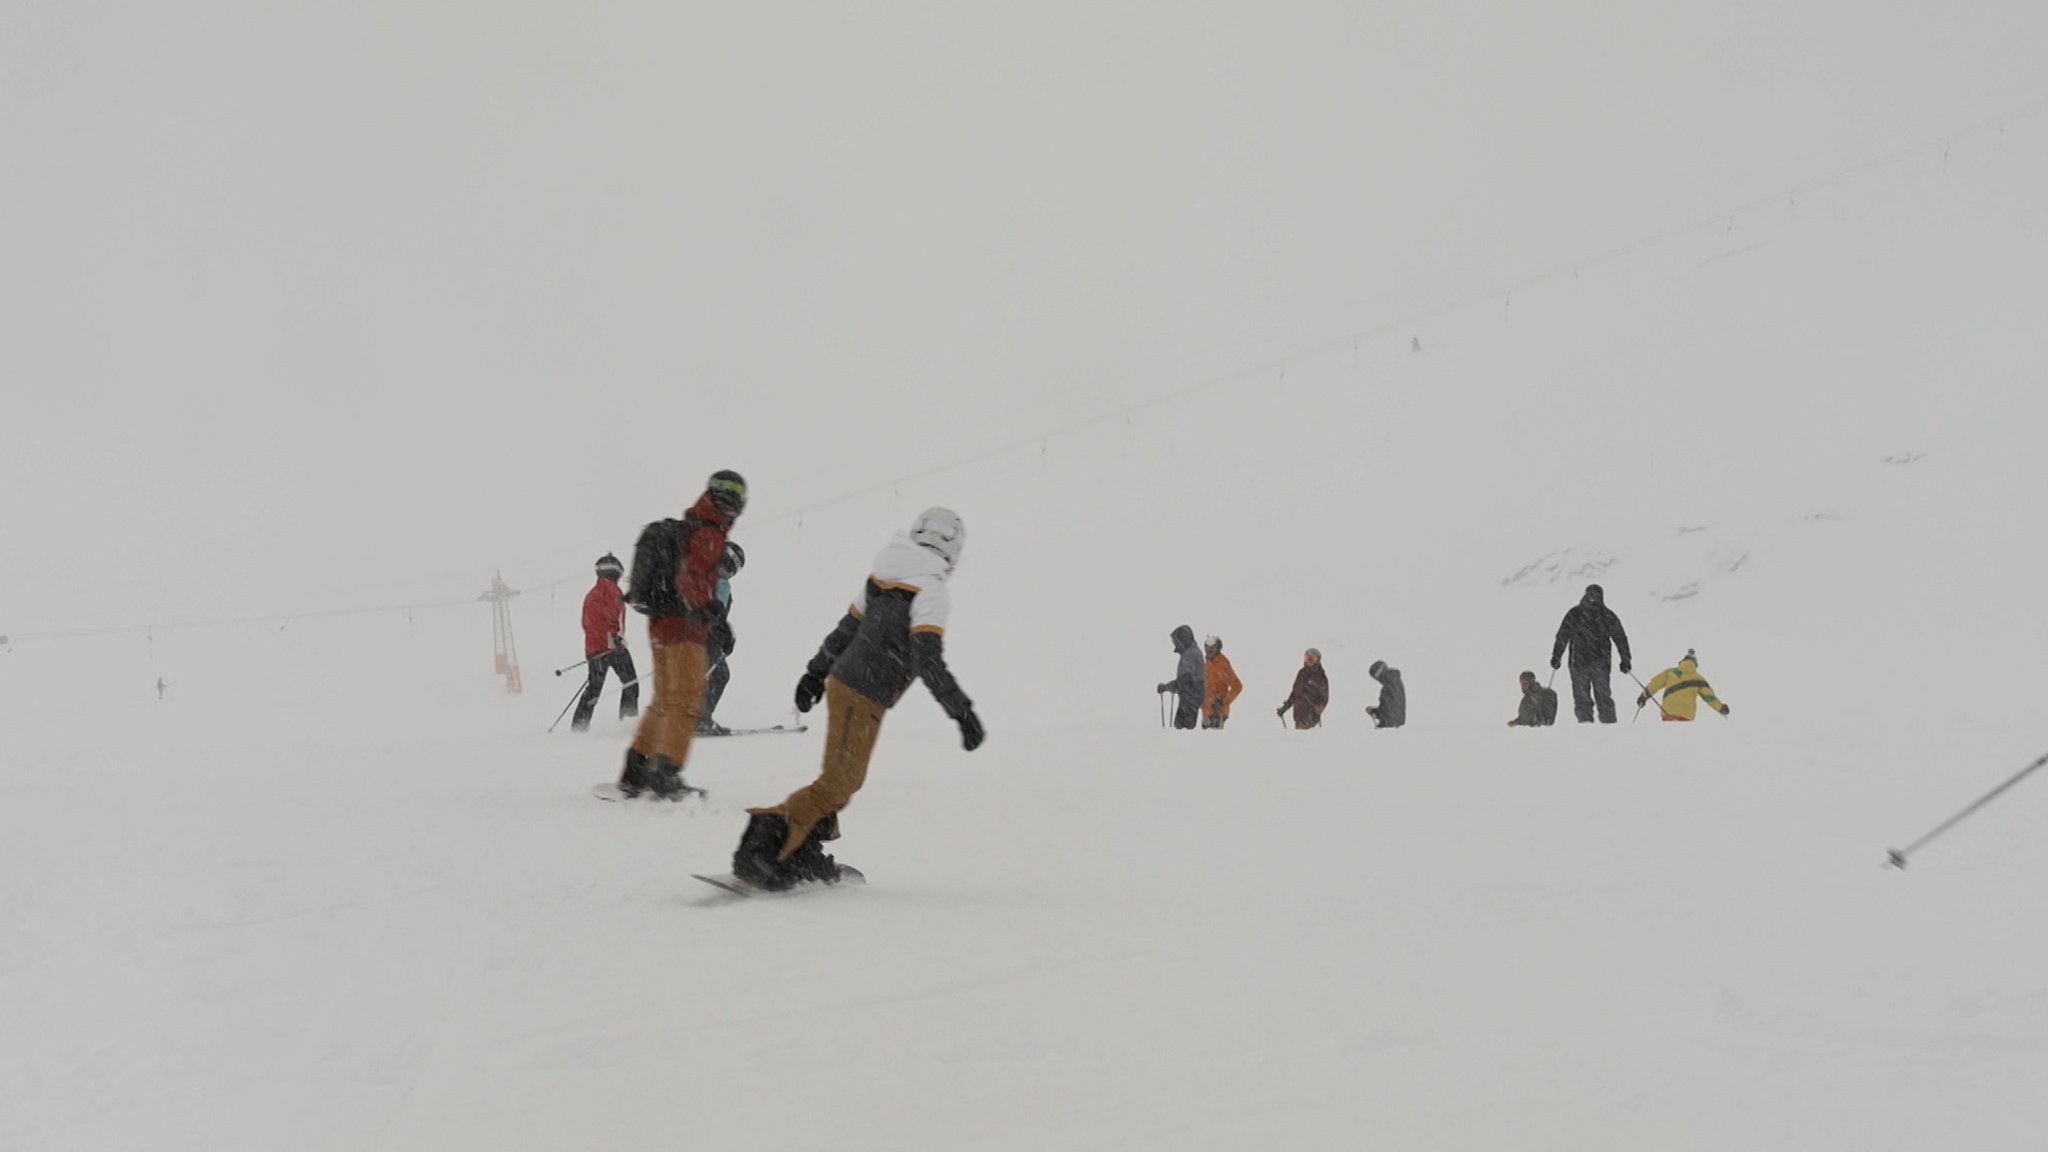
(1895, 859)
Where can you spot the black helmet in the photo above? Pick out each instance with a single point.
(732, 560)
(728, 491)
(608, 566)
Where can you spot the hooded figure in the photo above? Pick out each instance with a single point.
(1311, 692)
(1188, 680)
(1392, 710)
(1684, 689)
(1539, 705)
(1220, 684)
(1589, 629)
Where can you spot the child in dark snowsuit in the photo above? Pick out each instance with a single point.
(1392, 710)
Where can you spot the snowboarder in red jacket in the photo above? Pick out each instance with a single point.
(661, 745)
(604, 643)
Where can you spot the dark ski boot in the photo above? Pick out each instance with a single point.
(754, 860)
(665, 779)
(633, 777)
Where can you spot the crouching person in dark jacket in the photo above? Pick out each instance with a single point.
(1392, 710)
(1189, 679)
(1539, 705)
(891, 635)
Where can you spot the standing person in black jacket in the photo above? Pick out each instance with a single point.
(1392, 710)
(1588, 629)
(1189, 680)
(893, 635)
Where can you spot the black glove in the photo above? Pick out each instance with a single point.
(809, 691)
(970, 729)
(1280, 711)
(1724, 709)
(615, 642)
(1556, 662)
(1642, 700)
(1626, 668)
(714, 609)
(1166, 687)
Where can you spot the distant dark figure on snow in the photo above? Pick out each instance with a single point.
(604, 642)
(1392, 710)
(1220, 684)
(1588, 629)
(1189, 679)
(891, 636)
(159, 689)
(1684, 690)
(1539, 705)
(722, 641)
(1311, 692)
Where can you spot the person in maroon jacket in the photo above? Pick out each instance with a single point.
(604, 643)
(679, 633)
(1311, 692)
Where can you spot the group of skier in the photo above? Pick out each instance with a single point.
(605, 651)
(1205, 685)
(892, 634)
(1593, 634)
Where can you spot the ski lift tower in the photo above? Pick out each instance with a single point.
(507, 654)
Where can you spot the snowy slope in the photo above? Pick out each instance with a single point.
(337, 891)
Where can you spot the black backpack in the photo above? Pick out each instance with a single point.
(1546, 706)
(657, 556)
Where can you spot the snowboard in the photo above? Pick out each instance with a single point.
(733, 885)
(610, 792)
(768, 731)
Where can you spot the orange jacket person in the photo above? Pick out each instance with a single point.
(1220, 684)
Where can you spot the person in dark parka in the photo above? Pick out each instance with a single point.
(1392, 710)
(1189, 679)
(1311, 693)
(1539, 705)
(1588, 630)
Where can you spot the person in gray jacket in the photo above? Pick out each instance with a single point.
(1392, 710)
(1188, 681)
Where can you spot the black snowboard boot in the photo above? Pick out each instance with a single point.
(754, 860)
(633, 777)
(665, 779)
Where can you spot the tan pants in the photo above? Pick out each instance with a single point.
(852, 722)
(671, 720)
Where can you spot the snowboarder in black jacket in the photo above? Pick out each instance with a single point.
(1189, 680)
(1392, 710)
(1588, 629)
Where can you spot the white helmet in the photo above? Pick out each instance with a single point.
(940, 530)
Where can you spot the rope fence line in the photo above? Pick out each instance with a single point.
(1574, 269)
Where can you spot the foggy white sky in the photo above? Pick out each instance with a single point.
(310, 306)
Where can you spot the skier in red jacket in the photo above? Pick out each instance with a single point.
(604, 642)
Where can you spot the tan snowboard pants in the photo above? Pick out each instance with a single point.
(852, 722)
(671, 720)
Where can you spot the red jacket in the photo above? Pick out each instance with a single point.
(696, 579)
(604, 615)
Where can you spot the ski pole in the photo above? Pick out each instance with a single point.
(1896, 858)
(565, 708)
(1652, 699)
(581, 663)
(1162, 709)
